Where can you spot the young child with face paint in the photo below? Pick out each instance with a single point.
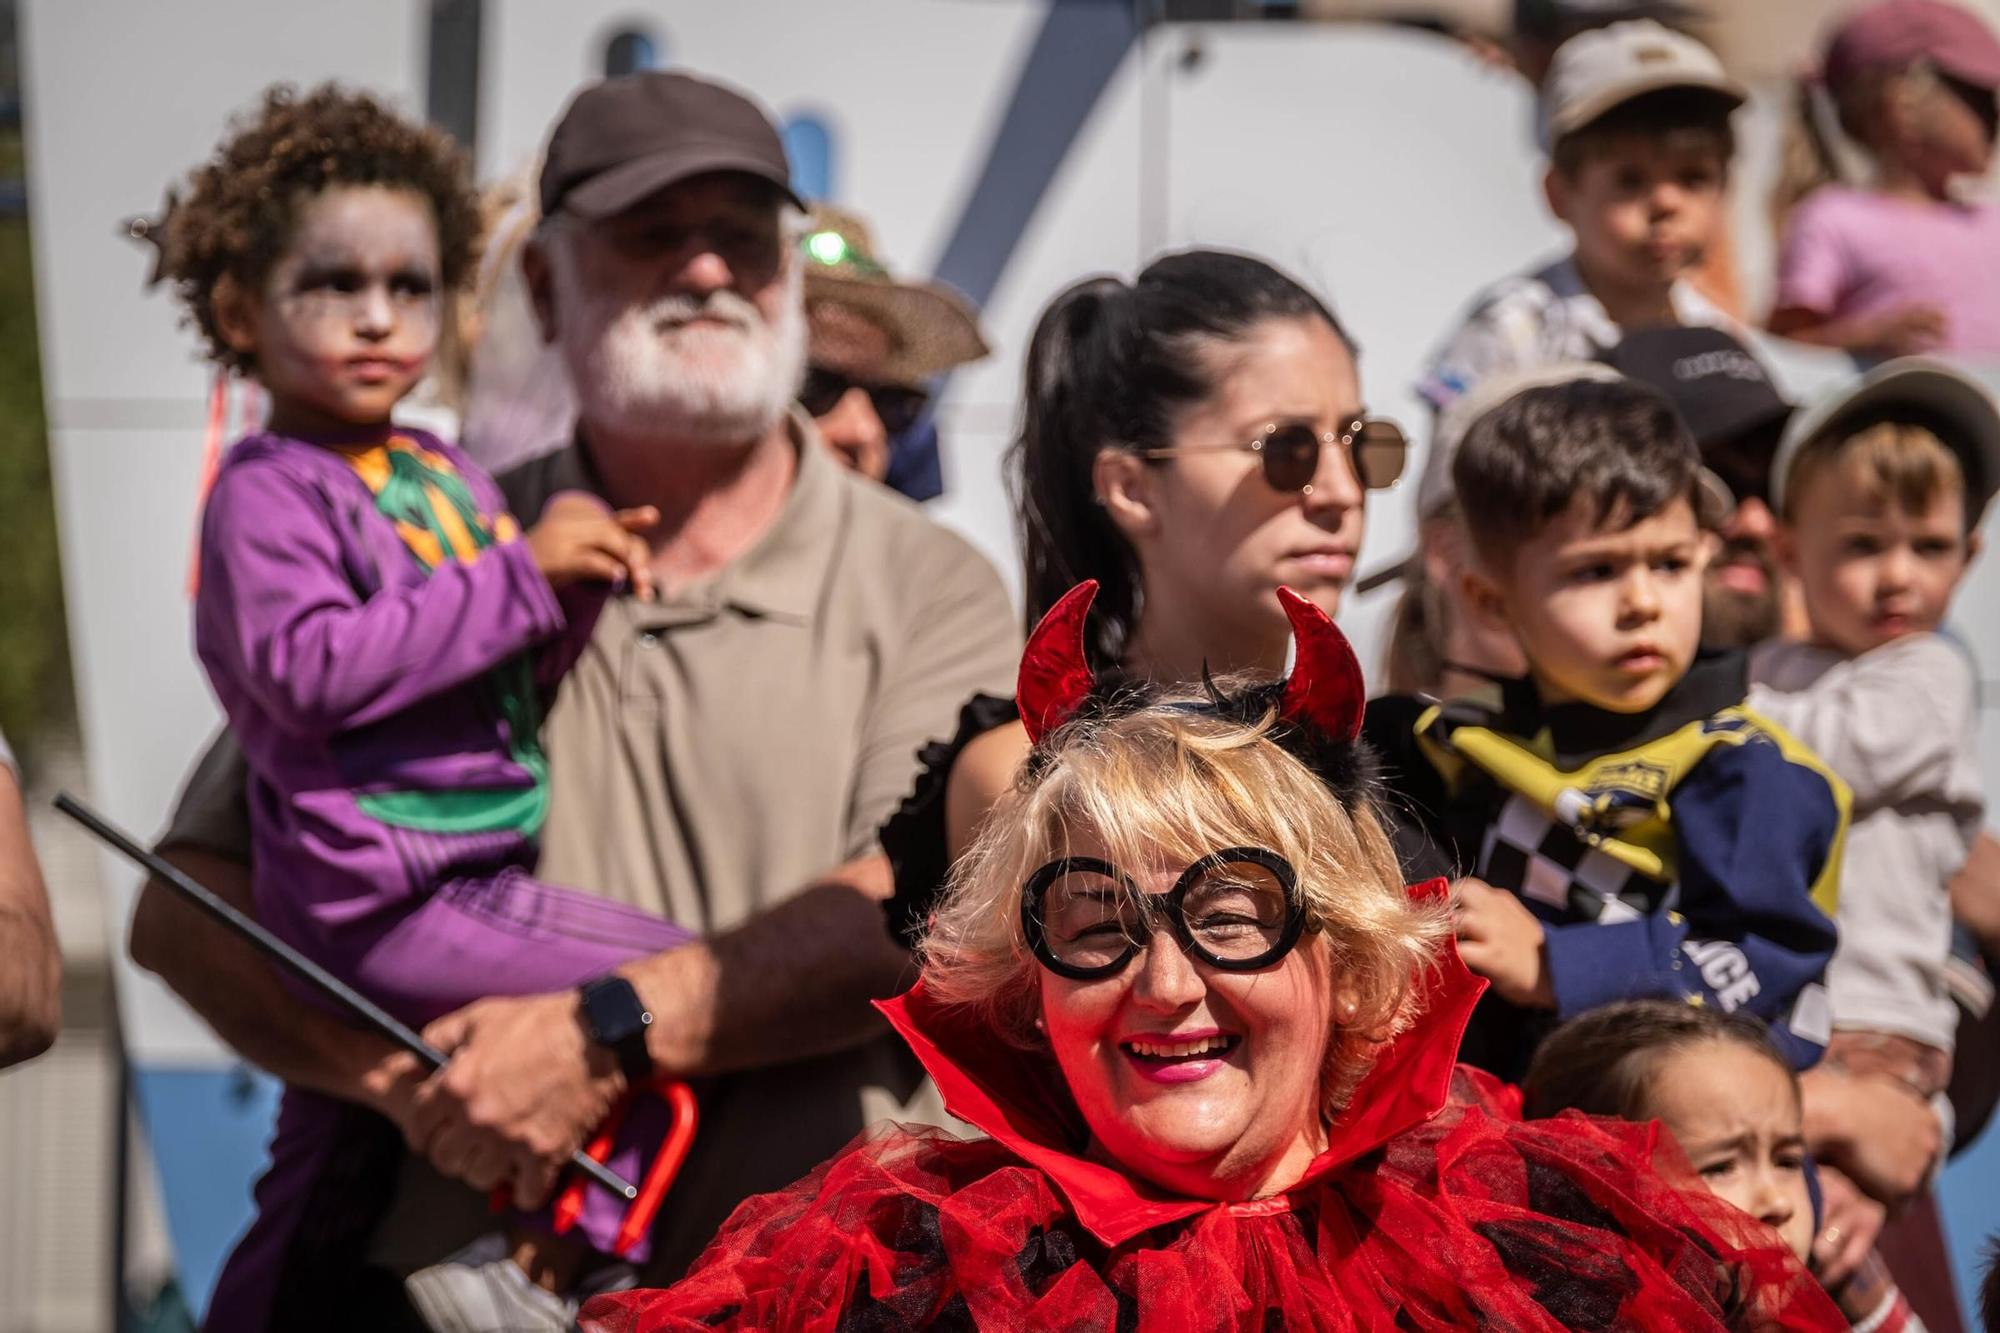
(1719, 1085)
(381, 633)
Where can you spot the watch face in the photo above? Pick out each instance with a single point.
(612, 1010)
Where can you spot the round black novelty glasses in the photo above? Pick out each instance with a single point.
(1290, 451)
(1237, 910)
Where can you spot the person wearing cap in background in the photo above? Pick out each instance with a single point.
(1911, 262)
(1733, 409)
(1880, 489)
(874, 343)
(1639, 118)
(722, 756)
(1539, 29)
(1738, 417)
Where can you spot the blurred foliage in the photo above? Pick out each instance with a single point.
(34, 641)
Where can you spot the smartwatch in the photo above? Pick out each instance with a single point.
(614, 1018)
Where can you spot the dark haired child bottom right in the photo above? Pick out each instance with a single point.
(1720, 1087)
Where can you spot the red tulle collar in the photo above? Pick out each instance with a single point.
(1021, 1100)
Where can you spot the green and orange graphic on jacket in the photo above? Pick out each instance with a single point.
(438, 518)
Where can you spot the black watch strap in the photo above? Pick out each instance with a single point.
(615, 1018)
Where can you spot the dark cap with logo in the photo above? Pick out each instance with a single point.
(1718, 385)
(626, 138)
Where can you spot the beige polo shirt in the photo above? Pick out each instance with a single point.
(712, 752)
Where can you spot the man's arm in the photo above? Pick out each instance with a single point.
(30, 963)
(525, 1086)
(794, 981)
(238, 993)
(224, 979)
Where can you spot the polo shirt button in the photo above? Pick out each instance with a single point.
(648, 639)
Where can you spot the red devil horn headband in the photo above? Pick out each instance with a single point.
(1055, 678)
(1325, 692)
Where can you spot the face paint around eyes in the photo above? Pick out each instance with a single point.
(344, 294)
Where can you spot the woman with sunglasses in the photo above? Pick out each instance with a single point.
(1180, 986)
(1190, 441)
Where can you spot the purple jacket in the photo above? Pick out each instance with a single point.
(383, 645)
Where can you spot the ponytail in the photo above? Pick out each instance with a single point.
(1066, 537)
(1113, 365)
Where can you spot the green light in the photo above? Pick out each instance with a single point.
(827, 247)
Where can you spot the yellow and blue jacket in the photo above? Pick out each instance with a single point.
(1690, 851)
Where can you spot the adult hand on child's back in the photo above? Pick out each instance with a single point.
(1881, 1133)
(522, 1090)
(1500, 939)
(578, 539)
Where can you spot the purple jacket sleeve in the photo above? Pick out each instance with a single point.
(278, 615)
(582, 603)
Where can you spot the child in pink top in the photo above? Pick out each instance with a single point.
(1905, 265)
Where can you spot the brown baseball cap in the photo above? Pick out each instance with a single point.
(622, 139)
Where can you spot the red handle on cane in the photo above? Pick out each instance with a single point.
(666, 1165)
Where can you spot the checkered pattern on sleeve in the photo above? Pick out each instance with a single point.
(1545, 862)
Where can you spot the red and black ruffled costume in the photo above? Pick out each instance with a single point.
(1434, 1207)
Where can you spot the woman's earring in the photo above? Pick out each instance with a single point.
(1041, 1027)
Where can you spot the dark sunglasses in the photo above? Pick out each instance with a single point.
(1290, 450)
(897, 406)
(1238, 910)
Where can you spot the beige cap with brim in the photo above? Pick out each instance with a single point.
(1954, 406)
(1596, 71)
(931, 328)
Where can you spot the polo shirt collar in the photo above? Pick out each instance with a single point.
(782, 576)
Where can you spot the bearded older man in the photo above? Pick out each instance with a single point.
(722, 755)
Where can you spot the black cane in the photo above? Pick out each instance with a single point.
(328, 984)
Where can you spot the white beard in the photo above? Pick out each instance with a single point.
(648, 371)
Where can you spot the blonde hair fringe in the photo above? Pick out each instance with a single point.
(1168, 784)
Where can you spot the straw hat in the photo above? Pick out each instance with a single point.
(931, 328)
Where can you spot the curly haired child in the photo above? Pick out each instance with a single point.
(382, 636)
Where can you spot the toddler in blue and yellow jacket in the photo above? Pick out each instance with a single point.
(1619, 825)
